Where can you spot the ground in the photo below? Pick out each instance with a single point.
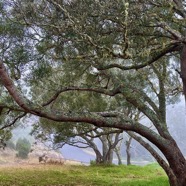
(29, 172)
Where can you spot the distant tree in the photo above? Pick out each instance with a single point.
(117, 150)
(23, 147)
(128, 146)
(102, 141)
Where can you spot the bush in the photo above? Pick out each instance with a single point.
(23, 147)
(93, 162)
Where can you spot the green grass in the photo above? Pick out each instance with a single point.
(50, 175)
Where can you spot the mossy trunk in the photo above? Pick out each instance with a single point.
(177, 165)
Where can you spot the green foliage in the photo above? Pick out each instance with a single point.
(84, 176)
(5, 135)
(102, 164)
(92, 162)
(23, 147)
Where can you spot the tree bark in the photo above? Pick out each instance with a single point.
(98, 157)
(177, 163)
(107, 149)
(128, 143)
(118, 154)
(110, 155)
(183, 68)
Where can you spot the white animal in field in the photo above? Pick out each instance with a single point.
(51, 160)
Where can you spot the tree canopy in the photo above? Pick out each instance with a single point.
(130, 51)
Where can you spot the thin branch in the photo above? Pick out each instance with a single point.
(74, 88)
(13, 122)
(105, 133)
(179, 8)
(173, 32)
(11, 107)
(155, 57)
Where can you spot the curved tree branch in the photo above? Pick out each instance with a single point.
(154, 58)
(13, 122)
(75, 88)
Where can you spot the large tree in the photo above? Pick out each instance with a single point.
(131, 51)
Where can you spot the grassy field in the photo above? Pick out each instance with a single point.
(52, 175)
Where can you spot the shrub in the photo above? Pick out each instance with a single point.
(93, 162)
(23, 147)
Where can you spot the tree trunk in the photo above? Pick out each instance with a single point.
(107, 151)
(117, 150)
(109, 156)
(118, 154)
(128, 143)
(177, 163)
(183, 68)
(99, 157)
(128, 157)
